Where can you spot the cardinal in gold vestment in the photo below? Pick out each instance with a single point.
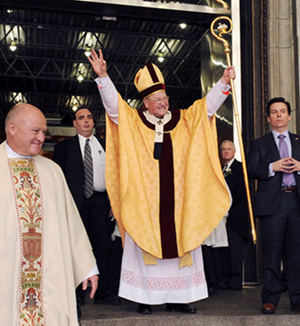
(163, 178)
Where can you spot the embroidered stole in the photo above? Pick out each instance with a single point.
(169, 244)
(159, 131)
(29, 206)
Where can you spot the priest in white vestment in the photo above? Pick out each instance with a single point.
(44, 250)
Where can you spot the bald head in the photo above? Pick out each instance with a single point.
(25, 127)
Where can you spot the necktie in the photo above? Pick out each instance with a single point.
(225, 168)
(288, 178)
(88, 171)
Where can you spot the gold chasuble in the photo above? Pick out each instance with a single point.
(30, 221)
(168, 206)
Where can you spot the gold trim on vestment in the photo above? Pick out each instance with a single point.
(185, 260)
(29, 210)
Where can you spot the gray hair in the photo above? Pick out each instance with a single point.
(228, 141)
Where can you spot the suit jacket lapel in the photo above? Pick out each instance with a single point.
(101, 141)
(295, 146)
(76, 151)
(233, 164)
(272, 145)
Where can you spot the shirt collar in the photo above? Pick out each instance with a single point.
(229, 163)
(276, 134)
(12, 154)
(83, 139)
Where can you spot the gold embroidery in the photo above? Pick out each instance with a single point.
(28, 202)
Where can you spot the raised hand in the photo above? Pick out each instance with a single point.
(98, 63)
(229, 73)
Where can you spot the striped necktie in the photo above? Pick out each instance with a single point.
(88, 171)
(225, 168)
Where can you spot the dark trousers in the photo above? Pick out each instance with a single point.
(280, 235)
(234, 259)
(213, 261)
(115, 261)
(94, 213)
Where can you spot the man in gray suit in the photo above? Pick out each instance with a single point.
(274, 160)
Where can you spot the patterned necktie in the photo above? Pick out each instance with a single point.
(288, 178)
(225, 168)
(88, 171)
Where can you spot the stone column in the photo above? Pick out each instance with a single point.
(282, 73)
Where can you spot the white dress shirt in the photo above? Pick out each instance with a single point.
(98, 155)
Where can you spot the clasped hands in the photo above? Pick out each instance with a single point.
(287, 165)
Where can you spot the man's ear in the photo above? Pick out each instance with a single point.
(145, 101)
(12, 127)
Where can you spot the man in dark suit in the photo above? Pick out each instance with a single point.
(274, 161)
(237, 224)
(91, 200)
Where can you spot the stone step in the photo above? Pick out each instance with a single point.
(227, 308)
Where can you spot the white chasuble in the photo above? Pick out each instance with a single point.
(44, 247)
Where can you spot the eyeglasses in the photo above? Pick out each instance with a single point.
(159, 100)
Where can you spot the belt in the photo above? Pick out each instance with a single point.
(100, 194)
(289, 189)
